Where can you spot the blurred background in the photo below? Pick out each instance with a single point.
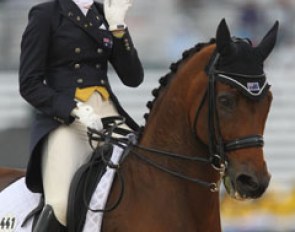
(161, 31)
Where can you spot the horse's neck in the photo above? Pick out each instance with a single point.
(181, 205)
(157, 201)
(169, 129)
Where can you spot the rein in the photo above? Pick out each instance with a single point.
(214, 187)
(217, 147)
(128, 142)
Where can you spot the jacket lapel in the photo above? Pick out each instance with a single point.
(88, 24)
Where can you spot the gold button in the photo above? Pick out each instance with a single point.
(99, 50)
(97, 17)
(70, 13)
(78, 18)
(80, 81)
(98, 66)
(77, 50)
(128, 48)
(85, 25)
(102, 82)
(90, 24)
(77, 66)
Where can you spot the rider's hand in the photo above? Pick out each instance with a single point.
(115, 12)
(85, 114)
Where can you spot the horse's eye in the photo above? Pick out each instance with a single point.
(226, 101)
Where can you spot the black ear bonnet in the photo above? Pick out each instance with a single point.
(237, 63)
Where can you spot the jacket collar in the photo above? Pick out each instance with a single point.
(90, 25)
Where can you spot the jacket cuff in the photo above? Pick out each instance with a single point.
(63, 108)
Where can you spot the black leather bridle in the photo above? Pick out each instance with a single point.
(217, 147)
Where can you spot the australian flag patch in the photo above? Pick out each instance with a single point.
(107, 42)
(253, 86)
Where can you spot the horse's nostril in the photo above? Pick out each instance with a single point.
(247, 182)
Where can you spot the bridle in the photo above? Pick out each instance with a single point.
(217, 147)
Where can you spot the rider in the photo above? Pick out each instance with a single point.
(65, 51)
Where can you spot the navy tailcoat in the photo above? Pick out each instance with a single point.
(61, 50)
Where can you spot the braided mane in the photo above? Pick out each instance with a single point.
(173, 69)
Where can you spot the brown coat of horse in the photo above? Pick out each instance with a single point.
(178, 123)
(156, 201)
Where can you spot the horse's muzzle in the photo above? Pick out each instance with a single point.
(251, 186)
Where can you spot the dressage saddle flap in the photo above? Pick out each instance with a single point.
(83, 185)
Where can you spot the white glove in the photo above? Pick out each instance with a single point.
(115, 12)
(87, 117)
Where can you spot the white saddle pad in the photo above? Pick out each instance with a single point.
(100, 195)
(16, 202)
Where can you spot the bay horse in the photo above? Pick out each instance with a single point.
(205, 124)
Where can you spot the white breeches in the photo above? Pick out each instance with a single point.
(64, 152)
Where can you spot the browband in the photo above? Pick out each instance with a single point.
(252, 86)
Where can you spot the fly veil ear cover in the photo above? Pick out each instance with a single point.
(240, 64)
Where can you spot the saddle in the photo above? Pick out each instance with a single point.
(89, 190)
(88, 178)
(83, 185)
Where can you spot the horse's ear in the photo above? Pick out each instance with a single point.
(268, 42)
(223, 38)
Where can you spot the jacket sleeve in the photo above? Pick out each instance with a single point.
(126, 62)
(33, 63)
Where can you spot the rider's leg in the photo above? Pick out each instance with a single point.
(65, 151)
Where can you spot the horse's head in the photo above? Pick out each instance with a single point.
(238, 100)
